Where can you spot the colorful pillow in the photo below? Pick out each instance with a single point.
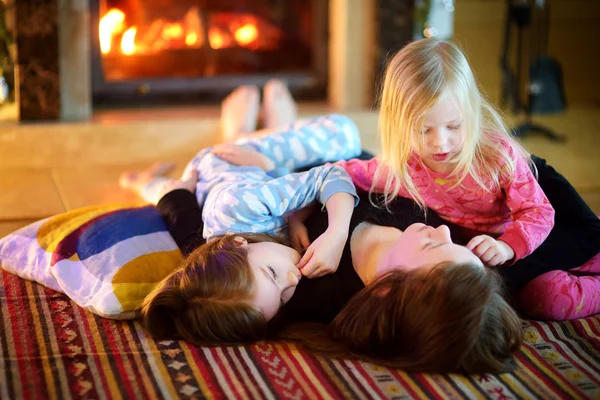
(105, 258)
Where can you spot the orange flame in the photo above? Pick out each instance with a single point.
(216, 38)
(191, 39)
(128, 41)
(110, 24)
(246, 34)
(226, 31)
(172, 31)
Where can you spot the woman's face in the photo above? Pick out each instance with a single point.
(275, 275)
(421, 245)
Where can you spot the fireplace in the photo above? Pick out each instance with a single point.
(60, 71)
(202, 49)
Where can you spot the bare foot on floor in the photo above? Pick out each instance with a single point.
(278, 108)
(137, 180)
(239, 112)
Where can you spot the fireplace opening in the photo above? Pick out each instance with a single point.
(202, 49)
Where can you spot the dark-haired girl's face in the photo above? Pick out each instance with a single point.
(275, 275)
(424, 246)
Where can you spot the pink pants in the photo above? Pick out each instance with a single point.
(563, 295)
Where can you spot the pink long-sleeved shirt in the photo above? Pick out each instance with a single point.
(517, 213)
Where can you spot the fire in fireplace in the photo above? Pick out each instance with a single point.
(204, 48)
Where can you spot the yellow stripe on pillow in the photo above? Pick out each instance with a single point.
(134, 280)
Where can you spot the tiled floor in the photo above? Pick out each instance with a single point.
(49, 168)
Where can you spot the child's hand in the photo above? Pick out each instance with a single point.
(298, 233)
(238, 155)
(188, 182)
(297, 229)
(323, 255)
(490, 251)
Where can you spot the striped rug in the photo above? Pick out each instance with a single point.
(51, 348)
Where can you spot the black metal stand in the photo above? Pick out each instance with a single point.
(527, 128)
(519, 13)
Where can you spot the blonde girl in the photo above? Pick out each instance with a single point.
(444, 146)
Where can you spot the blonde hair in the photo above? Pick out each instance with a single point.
(415, 78)
(208, 300)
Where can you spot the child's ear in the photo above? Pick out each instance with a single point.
(240, 241)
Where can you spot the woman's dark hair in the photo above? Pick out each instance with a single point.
(450, 318)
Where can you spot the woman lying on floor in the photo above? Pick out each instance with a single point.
(366, 311)
(474, 329)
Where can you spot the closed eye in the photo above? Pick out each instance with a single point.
(273, 276)
(454, 127)
(430, 246)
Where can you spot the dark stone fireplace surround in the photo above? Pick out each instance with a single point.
(54, 80)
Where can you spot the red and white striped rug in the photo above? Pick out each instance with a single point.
(51, 348)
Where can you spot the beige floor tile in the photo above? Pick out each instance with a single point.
(577, 159)
(88, 158)
(124, 138)
(28, 194)
(7, 227)
(99, 184)
(366, 123)
(92, 186)
(593, 200)
(74, 145)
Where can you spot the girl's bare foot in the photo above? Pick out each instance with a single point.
(136, 181)
(239, 112)
(278, 108)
